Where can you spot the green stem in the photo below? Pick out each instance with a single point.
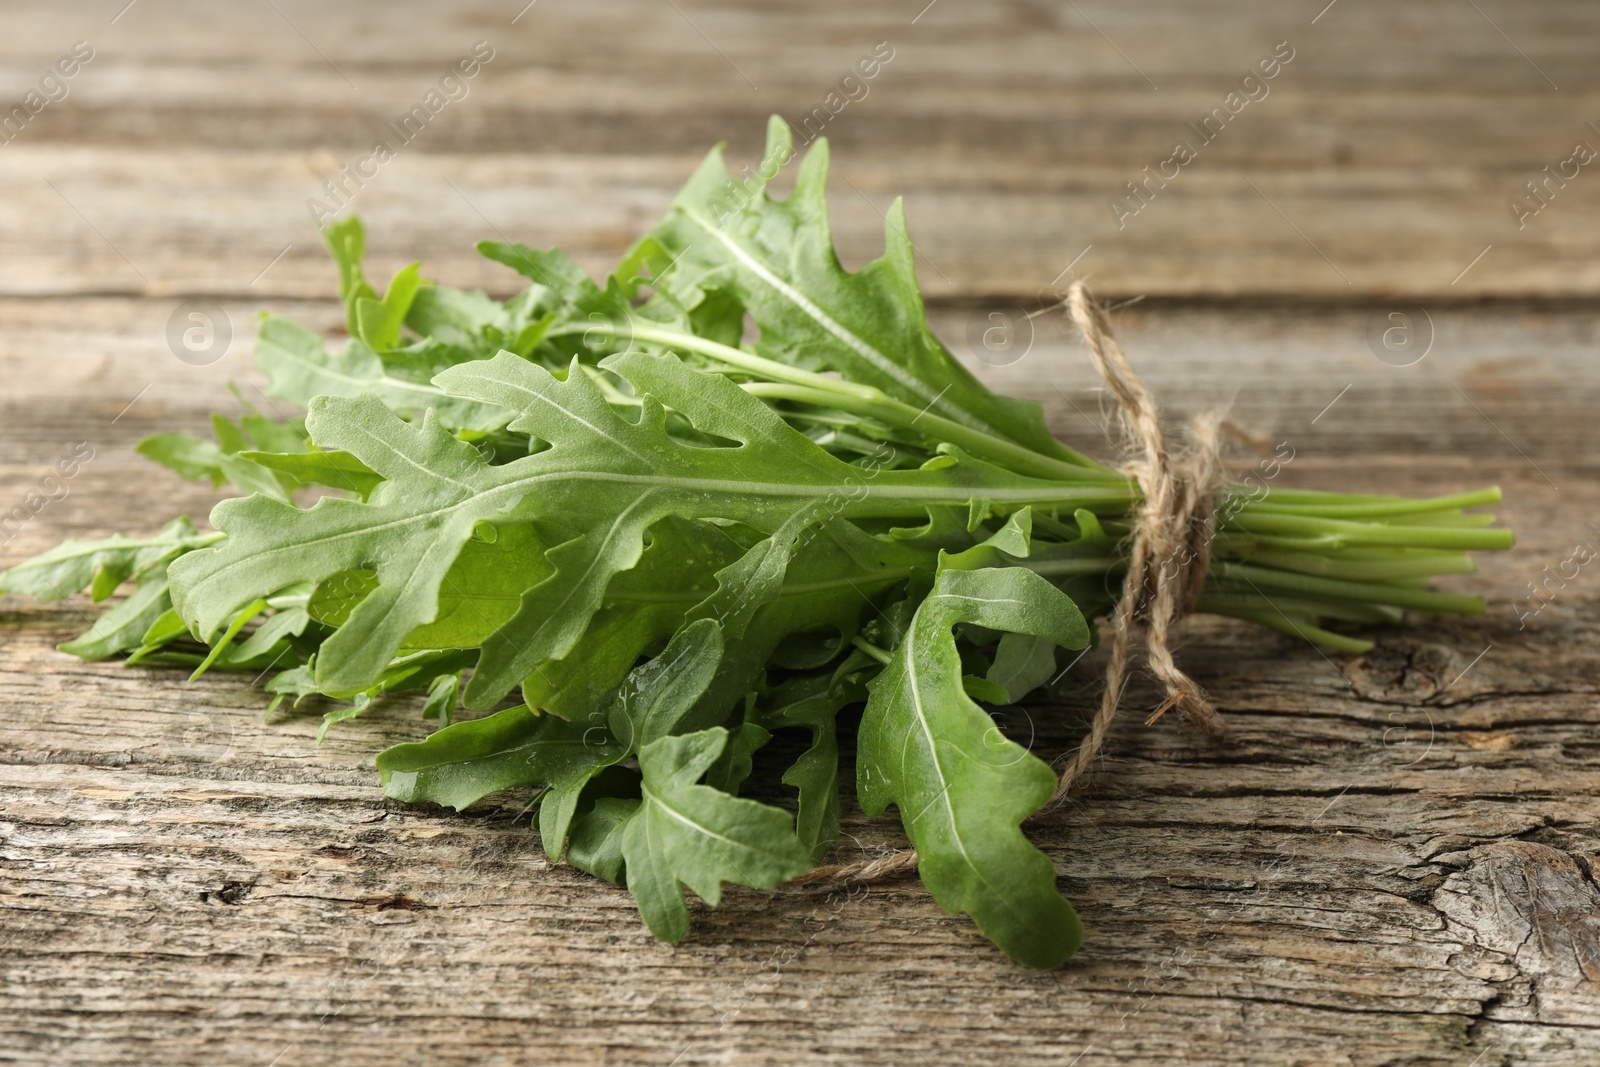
(1398, 565)
(1276, 620)
(1221, 603)
(872, 650)
(1336, 533)
(793, 383)
(1017, 457)
(1361, 592)
(1373, 509)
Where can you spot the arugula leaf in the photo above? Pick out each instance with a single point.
(231, 458)
(776, 260)
(1022, 663)
(454, 316)
(835, 578)
(832, 577)
(166, 630)
(812, 703)
(335, 469)
(596, 842)
(461, 764)
(302, 369)
(187, 455)
(684, 834)
(962, 787)
(443, 692)
(202, 460)
(73, 565)
(347, 242)
(643, 607)
(218, 648)
(124, 626)
(553, 269)
(378, 322)
(478, 594)
(409, 672)
(269, 640)
(745, 738)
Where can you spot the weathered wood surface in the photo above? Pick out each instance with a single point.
(1392, 862)
(1392, 141)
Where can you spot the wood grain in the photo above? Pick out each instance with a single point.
(1381, 161)
(1392, 861)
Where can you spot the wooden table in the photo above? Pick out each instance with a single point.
(1392, 860)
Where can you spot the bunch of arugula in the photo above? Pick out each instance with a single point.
(676, 543)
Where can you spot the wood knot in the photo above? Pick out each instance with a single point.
(1539, 908)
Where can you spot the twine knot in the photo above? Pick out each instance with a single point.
(1170, 549)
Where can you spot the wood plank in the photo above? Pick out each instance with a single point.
(1382, 160)
(1391, 860)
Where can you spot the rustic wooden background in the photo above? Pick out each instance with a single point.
(1393, 862)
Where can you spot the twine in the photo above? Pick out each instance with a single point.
(1169, 555)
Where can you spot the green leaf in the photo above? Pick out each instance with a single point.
(830, 575)
(415, 671)
(980, 688)
(165, 630)
(274, 545)
(812, 703)
(461, 764)
(73, 565)
(122, 628)
(347, 243)
(552, 268)
(230, 438)
(230, 459)
(776, 259)
(378, 322)
(643, 608)
(738, 760)
(406, 673)
(269, 641)
(441, 702)
(240, 621)
(360, 703)
(302, 369)
(186, 454)
(270, 435)
(167, 627)
(336, 470)
(596, 842)
(455, 316)
(685, 834)
(660, 693)
(296, 682)
(253, 478)
(962, 787)
(1022, 663)
(479, 593)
